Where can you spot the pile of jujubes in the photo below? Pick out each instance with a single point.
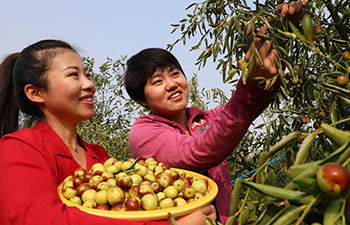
(133, 185)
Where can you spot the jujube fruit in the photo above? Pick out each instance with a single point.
(318, 29)
(132, 204)
(347, 55)
(304, 119)
(341, 80)
(333, 178)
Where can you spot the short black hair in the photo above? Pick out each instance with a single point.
(142, 66)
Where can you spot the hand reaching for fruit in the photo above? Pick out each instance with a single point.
(267, 54)
(264, 66)
(294, 10)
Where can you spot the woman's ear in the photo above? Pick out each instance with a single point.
(33, 93)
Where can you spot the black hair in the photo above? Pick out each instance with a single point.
(142, 66)
(19, 69)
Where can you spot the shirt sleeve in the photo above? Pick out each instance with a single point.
(149, 138)
(28, 191)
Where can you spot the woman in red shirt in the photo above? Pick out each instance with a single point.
(48, 82)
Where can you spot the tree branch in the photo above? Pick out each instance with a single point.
(334, 13)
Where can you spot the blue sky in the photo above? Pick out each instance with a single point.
(101, 29)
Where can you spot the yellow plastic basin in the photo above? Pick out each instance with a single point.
(157, 214)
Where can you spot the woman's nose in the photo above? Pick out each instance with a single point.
(88, 85)
(171, 84)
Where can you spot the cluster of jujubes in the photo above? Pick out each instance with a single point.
(132, 185)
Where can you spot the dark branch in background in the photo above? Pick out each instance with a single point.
(339, 3)
(334, 13)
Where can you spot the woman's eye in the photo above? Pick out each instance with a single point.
(175, 73)
(74, 74)
(157, 81)
(88, 75)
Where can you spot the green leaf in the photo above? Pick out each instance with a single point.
(296, 32)
(338, 136)
(267, 215)
(304, 149)
(275, 192)
(332, 212)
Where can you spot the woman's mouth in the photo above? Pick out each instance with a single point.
(175, 95)
(87, 99)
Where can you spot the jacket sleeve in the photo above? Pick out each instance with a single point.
(208, 149)
(28, 191)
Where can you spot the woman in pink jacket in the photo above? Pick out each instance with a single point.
(48, 81)
(190, 138)
(186, 137)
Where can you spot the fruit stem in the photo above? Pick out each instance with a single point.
(340, 121)
(308, 207)
(259, 169)
(326, 56)
(342, 213)
(346, 162)
(133, 163)
(171, 219)
(293, 110)
(251, 179)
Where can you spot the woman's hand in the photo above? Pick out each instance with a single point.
(198, 217)
(267, 55)
(294, 11)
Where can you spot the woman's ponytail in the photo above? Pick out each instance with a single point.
(8, 104)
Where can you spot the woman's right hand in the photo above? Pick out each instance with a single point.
(198, 217)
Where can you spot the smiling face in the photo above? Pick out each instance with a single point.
(166, 93)
(69, 96)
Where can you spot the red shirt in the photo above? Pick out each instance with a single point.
(33, 162)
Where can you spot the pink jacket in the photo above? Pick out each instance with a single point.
(214, 134)
(33, 162)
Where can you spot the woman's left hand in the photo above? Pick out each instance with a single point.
(267, 55)
(294, 11)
